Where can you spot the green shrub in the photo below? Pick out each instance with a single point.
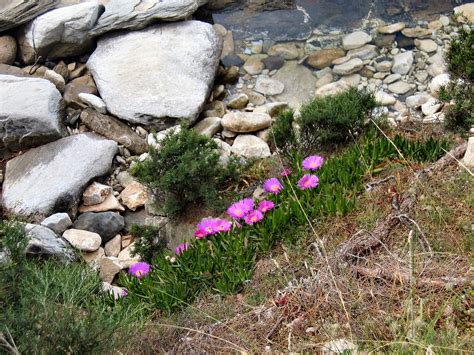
(324, 122)
(185, 170)
(148, 242)
(50, 307)
(459, 92)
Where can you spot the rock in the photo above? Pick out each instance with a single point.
(56, 79)
(468, 159)
(44, 242)
(438, 82)
(352, 80)
(426, 45)
(332, 89)
(114, 129)
(115, 291)
(11, 70)
(287, 51)
(93, 257)
(254, 65)
(94, 101)
(444, 20)
(83, 240)
(323, 58)
(134, 195)
(62, 69)
(349, 67)
(384, 41)
(400, 87)
(383, 64)
(404, 42)
(435, 25)
(268, 86)
(96, 193)
(106, 224)
(51, 178)
(467, 11)
(15, 13)
(84, 84)
(59, 33)
(295, 95)
(209, 126)
(125, 257)
(416, 101)
(393, 28)
(237, 101)
(123, 14)
(7, 49)
(249, 146)
(438, 65)
(324, 80)
(214, 109)
(417, 32)
(109, 266)
(366, 52)
(273, 62)
(392, 78)
(168, 70)
(275, 108)
(245, 122)
(232, 60)
(110, 204)
(231, 75)
(367, 72)
(402, 63)
(355, 40)
(57, 222)
(384, 99)
(431, 107)
(124, 178)
(113, 246)
(254, 97)
(31, 112)
(228, 45)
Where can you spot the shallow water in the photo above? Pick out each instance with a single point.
(286, 20)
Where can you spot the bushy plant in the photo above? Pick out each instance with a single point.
(185, 170)
(148, 242)
(459, 92)
(223, 255)
(324, 122)
(50, 307)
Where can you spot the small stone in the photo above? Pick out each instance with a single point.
(323, 58)
(134, 195)
(93, 256)
(231, 75)
(402, 63)
(214, 109)
(400, 87)
(113, 246)
(8, 49)
(84, 84)
(468, 159)
(57, 222)
(426, 45)
(106, 224)
(126, 259)
(268, 86)
(417, 32)
(56, 79)
(109, 204)
(125, 178)
(61, 69)
(385, 41)
(237, 101)
(209, 126)
(355, 40)
(324, 80)
(341, 60)
(384, 99)
(349, 67)
(126, 240)
(232, 60)
(444, 20)
(288, 51)
(393, 28)
(392, 78)
(273, 62)
(438, 82)
(249, 146)
(435, 25)
(383, 65)
(94, 101)
(228, 45)
(115, 291)
(245, 122)
(254, 65)
(332, 89)
(353, 80)
(416, 101)
(109, 267)
(431, 107)
(95, 193)
(366, 52)
(83, 240)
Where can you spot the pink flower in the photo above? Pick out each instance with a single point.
(240, 208)
(313, 162)
(308, 182)
(223, 225)
(208, 225)
(272, 185)
(200, 233)
(139, 269)
(181, 248)
(253, 217)
(265, 206)
(285, 172)
(123, 293)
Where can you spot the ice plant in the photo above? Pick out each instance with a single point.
(241, 208)
(222, 225)
(139, 270)
(200, 233)
(181, 248)
(265, 206)
(285, 172)
(208, 225)
(308, 182)
(313, 162)
(253, 217)
(272, 185)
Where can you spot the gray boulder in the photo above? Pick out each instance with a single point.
(13, 13)
(59, 33)
(106, 224)
(52, 177)
(158, 75)
(57, 222)
(31, 112)
(138, 14)
(43, 242)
